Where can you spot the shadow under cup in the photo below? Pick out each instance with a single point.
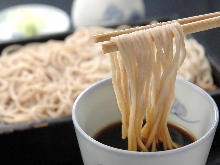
(193, 109)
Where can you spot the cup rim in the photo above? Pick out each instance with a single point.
(158, 153)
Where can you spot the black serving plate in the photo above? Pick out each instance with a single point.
(53, 141)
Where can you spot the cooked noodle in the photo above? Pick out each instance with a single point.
(196, 67)
(40, 81)
(144, 73)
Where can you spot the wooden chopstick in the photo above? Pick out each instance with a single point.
(190, 25)
(107, 36)
(201, 25)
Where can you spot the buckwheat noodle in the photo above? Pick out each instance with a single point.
(196, 67)
(144, 73)
(41, 80)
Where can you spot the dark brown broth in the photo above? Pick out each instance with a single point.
(111, 136)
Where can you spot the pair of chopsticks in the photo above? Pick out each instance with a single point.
(190, 25)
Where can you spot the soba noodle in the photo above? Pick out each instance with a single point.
(41, 80)
(144, 73)
(195, 67)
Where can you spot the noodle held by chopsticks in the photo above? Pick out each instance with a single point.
(144, 74)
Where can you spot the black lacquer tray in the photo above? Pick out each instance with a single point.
(53, 141)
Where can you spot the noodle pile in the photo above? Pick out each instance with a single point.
(195, 67)
(144, 73)
(42, 80)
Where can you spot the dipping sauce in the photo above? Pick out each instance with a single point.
(111, 136)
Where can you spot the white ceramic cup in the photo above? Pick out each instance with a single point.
(106, 12)
(193, 110)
